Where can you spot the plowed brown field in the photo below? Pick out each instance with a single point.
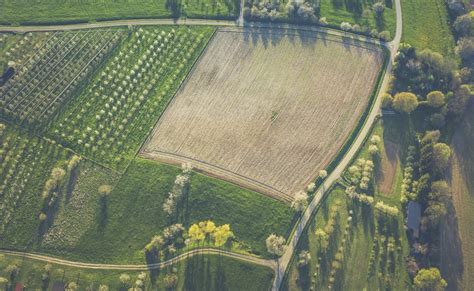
(267, 109)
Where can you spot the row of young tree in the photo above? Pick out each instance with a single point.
(310, 12)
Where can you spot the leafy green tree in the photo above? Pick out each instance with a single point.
(405, 102)
(441, 156)
(437, 120)
(387, 101)
(464, 24)
(435, 99)
(276, 245)
(104, 191)
(430, 280)
(171, 280)
(465, 48)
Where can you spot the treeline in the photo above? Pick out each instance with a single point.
(432, 91)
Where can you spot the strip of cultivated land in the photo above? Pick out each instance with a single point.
(267, 109)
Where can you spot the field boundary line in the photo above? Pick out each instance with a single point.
(240, 180)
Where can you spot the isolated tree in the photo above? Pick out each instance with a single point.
(323, 174)
(441, 156)
(124, 278)
(430, 279)
(12, 270)
(379, 8)
(440, 191)
(276, 245)
(209, 228)
(103, 288)
(300, 201)
(171, 280)
(195, 233)
(405, 102)
(346, 26)
(464, 24)
(303, 258)
(435, 99)
(375, 139)
(465, 48)
(3, 280)
(47, 271)
(387, 101)
(457, 103)
(155, 244)
(374, 150)
(42, 217)
(222, 234)
(105, 190)
(323, 238)
(434, 212)
(437, 120)
(72, 286)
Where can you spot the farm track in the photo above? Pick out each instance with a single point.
(144, 267)
(282, 264)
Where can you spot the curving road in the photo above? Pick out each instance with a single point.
(94, 266)
(284, 261)
(280, 266)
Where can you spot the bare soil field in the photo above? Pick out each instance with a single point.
(460, 273)
(389, 162)
(267, 109)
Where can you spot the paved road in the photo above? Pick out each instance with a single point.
(93, 266)
(284, 261)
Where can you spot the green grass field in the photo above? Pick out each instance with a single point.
(337, 11)
(425, 26)
(58, 11)
(204, 272)
(83, 231)
(354, 273)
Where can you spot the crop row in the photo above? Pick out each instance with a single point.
(116, 112)
(50, 77)
(24, 160)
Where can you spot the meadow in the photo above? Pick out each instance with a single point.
(259, 118)
(360, 13)
(425, 26)
(84, 230)
(57, 11)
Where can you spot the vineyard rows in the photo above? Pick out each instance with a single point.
(50, 77)
(115, 113)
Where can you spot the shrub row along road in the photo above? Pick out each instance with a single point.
(282, 264)
(201, 251)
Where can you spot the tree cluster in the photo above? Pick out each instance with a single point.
(179, 190)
